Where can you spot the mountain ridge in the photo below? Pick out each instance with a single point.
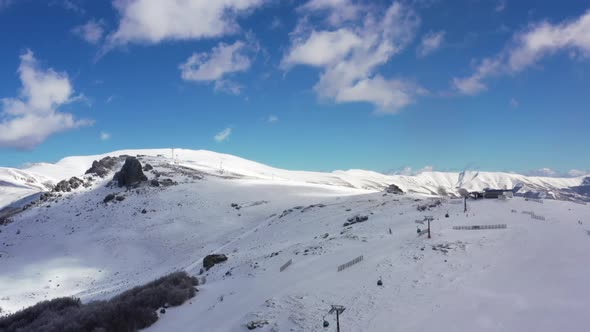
(18, 183)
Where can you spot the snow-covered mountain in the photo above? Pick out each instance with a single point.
(92, 239)
(16, 184)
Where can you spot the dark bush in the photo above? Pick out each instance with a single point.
(129, 311)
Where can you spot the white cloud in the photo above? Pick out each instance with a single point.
(350, 55)
(514, 103)
(5, 3)
(153, 21)
(276, 23)
(577, 172)
(223, 135)
(215, 66)
(227, 86)
(91, 32)
(339, 11)
(222, 60)
(322, 48)
(545, 171)
(430, 43)
(104, 136)
(29, 119)
(410, 171)
(272, 119)
(425, 169)
(548, 172)
(74, 6)
(500, 6)
(529, 47)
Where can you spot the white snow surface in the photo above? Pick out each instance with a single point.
(427, 183)
(531, 276)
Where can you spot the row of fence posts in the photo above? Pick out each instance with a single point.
(477, 227)
(349, 264)
(286, 265)
(340, 268)
(533, 215)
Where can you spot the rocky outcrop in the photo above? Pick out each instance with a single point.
(255, 324)
(68, 185)
(131, 174)
(355, 220)
(212, 260)
(393, 189)
(102, 167)
(108, 198)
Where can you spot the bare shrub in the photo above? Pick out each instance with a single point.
(129, 311)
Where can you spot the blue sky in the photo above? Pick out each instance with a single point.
(316, 85)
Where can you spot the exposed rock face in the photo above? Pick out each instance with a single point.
(168, 182)
(68, 185)
(102, 167)
(256, 324)
(355, 219)
(212, 260)
(393, 189)
(131, 173)
(147, 167)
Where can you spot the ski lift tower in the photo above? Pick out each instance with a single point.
(338, 309)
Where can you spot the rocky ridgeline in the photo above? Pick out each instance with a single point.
(102, 167)
(71, 184)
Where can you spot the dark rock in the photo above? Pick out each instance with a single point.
(102, 167)
(256, 324)
(355, 219)
(120, 198)
(147, 167)
(393, 189)
(379, 282)
(168, 182)
(130, 174)
(75, 182)
(62, 186)
(144, 211)
(108, 198)
(162, 311)
(211, 260)
(435, 203)
(154, 183)
(68, 185)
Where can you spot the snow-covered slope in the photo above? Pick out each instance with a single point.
(16, 184)
(216, 163)
(529, 276)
